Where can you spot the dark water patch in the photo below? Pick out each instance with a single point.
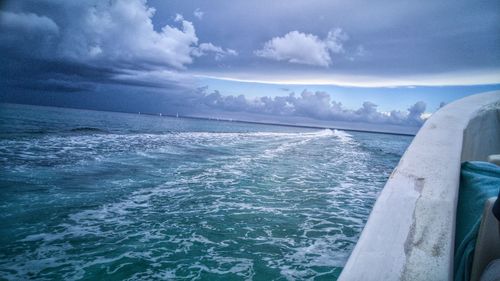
(87, 130)
(381, 151)
(39, 132)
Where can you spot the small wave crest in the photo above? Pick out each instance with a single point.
(303, 139)
(342, 136)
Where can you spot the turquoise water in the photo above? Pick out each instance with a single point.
(110, 196)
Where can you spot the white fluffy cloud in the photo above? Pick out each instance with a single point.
(198, 14)
(220, 53)
(123, 31)
(317, 105)
(334, 40)
(304, 48)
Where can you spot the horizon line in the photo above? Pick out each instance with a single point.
(160, 114)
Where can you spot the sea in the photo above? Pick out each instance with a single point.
(94, 195)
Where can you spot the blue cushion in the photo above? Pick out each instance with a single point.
(478, 182)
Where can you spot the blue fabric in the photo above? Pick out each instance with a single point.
(496, 208)
(478, 182)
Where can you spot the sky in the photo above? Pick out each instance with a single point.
(319, 61)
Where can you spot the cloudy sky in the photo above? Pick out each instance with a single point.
(376, 62)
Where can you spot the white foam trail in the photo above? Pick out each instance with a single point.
(304, 138)
(320, 133)
(343, 136)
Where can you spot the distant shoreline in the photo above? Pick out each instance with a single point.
(225, 120)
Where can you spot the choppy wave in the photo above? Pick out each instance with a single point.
(343, 136)
(185, 205)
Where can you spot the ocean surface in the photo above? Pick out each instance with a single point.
(89, 195)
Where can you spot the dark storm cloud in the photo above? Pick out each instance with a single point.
(54, 43)
(56, 75)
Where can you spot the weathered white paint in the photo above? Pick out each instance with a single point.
(410, 232)
(495, 159)
(482, 135)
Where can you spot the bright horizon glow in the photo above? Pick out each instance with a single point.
(459, 78)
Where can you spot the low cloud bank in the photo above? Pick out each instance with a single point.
(317, 105)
